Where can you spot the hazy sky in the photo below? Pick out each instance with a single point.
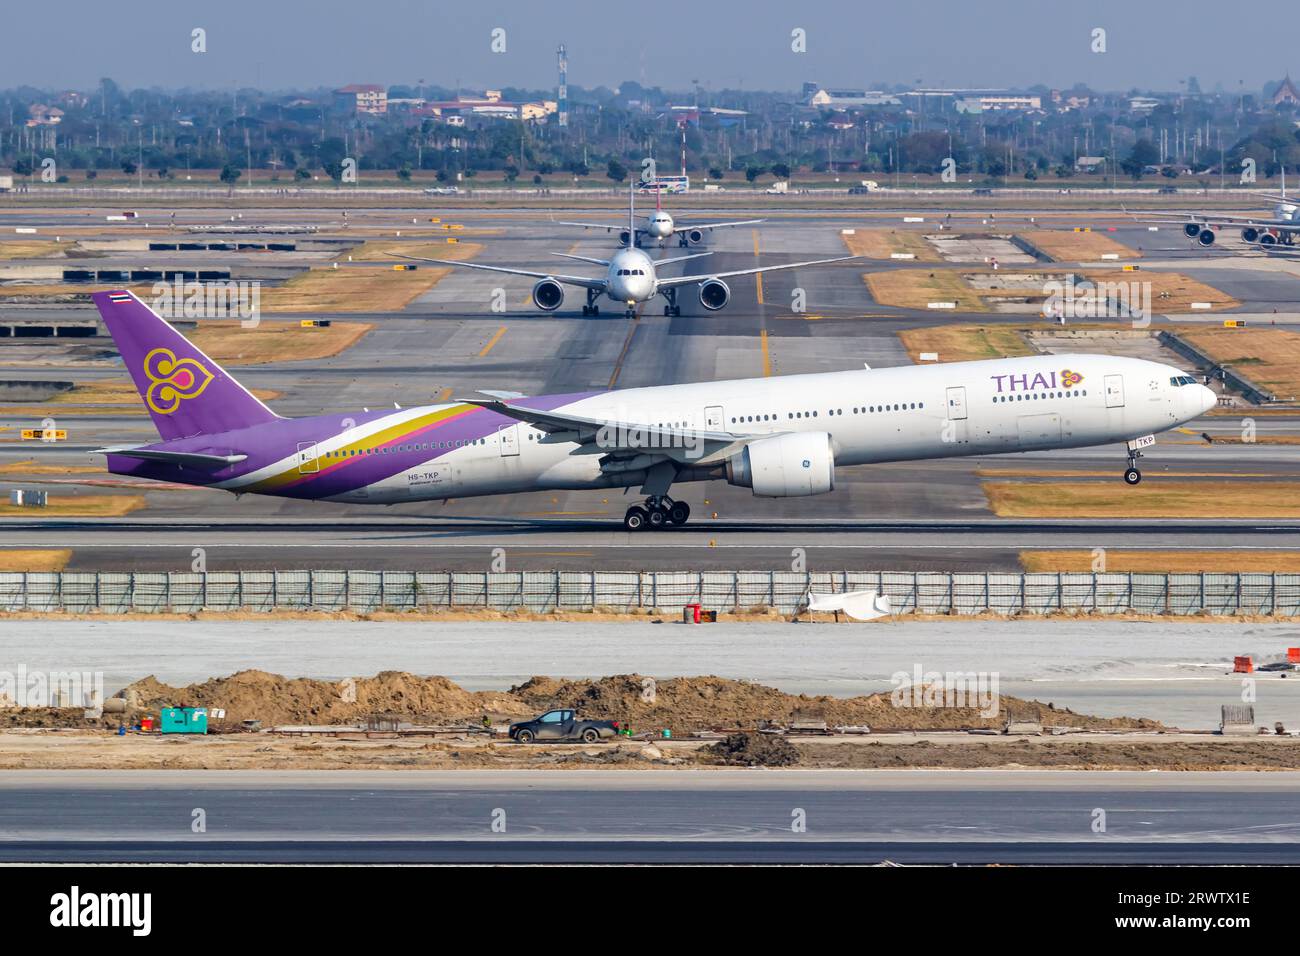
(283, 44)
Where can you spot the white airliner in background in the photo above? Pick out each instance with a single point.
(1279, 232)
(659, 225)
(785, 436)
(630, 278)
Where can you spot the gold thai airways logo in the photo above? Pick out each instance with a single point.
(1070, 379)
(172, 380)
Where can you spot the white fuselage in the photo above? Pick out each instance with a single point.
(631, 277)
(871, 416)
(659, 225)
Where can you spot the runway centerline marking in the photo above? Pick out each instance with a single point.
(627, 344)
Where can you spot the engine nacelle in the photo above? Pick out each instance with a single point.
(1206, 237)
(548, 295)
(1268, 239)
(1192, 230)
(1250, 234)
(785, 466)
(625, 238)
(714, 294)
(694, 236)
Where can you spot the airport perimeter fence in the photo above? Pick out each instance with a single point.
(627, 591)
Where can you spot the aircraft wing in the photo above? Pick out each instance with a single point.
(1201, 219)
(583, 281)
(591, 225)
(688, 280)
(612, 437)
(719, 225)
(565, 255)
(183, 458)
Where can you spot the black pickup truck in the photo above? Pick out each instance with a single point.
(562, 725)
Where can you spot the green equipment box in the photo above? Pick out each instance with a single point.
(184, 720)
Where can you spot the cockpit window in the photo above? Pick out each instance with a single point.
(1181, 380)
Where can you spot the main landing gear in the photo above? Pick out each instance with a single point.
(672, 308)
(1132, 476)
(591, 308)
(659, 511)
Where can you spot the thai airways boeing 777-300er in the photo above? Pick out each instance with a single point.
(785, 436)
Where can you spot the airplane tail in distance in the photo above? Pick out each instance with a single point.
(186, 392)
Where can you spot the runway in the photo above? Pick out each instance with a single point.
(660, 816)
(596, 539)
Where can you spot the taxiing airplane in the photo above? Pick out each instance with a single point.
(1281, 230)
(659, 225)
(784, 436)
(630, 278)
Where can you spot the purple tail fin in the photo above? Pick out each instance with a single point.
(185, 391)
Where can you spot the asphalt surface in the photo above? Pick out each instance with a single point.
(698, 816)
(446, 343)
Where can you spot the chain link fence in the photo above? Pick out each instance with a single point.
(667, 591)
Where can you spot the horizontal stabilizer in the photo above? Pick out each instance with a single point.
(187, 459)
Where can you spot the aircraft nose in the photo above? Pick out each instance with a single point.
(1208, 398)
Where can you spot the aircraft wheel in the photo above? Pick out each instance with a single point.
(668, 310)
(1132, 476)
(679, 513)
(586, 310)
(635, 518)
(657, 518)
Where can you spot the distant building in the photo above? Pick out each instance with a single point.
(364, 98)
(41, 115)
(1089, 164)
(1071, 101)
(996, 102)
(1286, 93)
(1142, 104)
(489, 106)
(848, 99)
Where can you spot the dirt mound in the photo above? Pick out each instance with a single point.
(680, 705)
(272, 699)
(686, 704)
(752, 750)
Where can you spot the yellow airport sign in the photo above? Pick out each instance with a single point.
(452, 239)
(44, 434)
(1234, 323)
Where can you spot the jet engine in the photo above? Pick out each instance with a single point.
(1206, 237)
(1268, 239)
(548, 295)
(1192, 230)
(625, 238)
(714, 294)
(694, 236)
(785, 466)
(1250, 234)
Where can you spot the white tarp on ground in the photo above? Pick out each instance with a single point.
(859, 605)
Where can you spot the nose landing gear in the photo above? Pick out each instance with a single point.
(659, 511)
(1132, 476)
